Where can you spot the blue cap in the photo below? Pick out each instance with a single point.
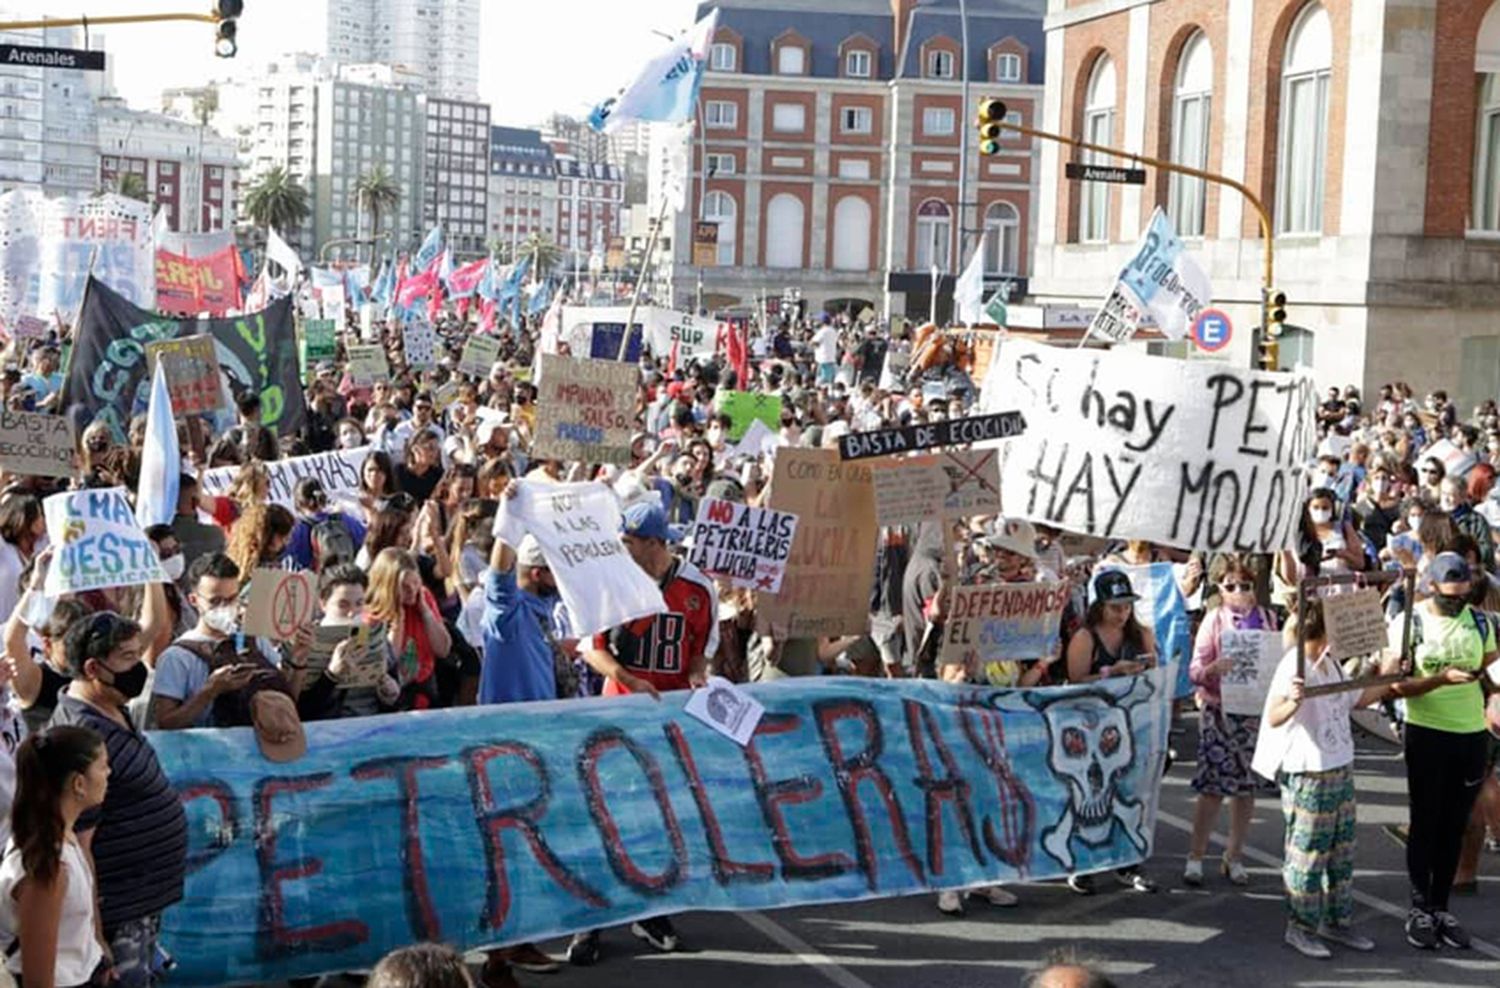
(646, 520)
(1450, 567)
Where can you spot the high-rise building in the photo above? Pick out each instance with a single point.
(187, 170)
(455, 172)
(48, 130)
(436, 41)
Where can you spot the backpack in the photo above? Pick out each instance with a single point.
(233, 709)
(331, 543)
(1481, 625)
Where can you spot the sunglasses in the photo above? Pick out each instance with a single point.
(1236, 587)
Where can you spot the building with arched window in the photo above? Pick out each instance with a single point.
(1370, 130)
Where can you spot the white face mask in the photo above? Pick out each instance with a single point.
(1320, 516)
(1413, 522)
(173, 566)
(224, 619)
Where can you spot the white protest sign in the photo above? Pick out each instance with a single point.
(1254, 654)
(578, 526)
(98, 543)
(758, 440)
(333, 298)
(367, 363)
(1456, 462)
(1185, 453)
(479, 355)
(747, 546)
(1355, 622)
(36, 443)
(337, 469)
(726, 708)
(1117, 319)
(421, 346)
(280, 602)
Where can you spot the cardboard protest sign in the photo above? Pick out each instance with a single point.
(1003, 622)
(1188, 453)
(585, 410)
(747, 546)
(319, 340)
(826, 589)
(36, 444)
(428, 798)
(420, 342)
(948, 485)
(744, 407)
(98, 543)
(1255, 654)
(367, 363)
(337, 469)
(280, 602)
(479, 355)
(578, 526)
(1355, 622)
(949, 432)
(192, 366)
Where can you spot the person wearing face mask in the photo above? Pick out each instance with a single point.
(1455, 501)
(138, 836)
(1325, 544)
(1379, 505)
(341, 589)
(1445, 739)
(1226, 742)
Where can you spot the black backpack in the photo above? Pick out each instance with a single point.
(233, 709)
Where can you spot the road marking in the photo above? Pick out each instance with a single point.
(1363, 898)
(805, 952)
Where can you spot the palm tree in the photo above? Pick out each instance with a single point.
(276, 200)
(132, 186)
(544, 254)
(377, 192)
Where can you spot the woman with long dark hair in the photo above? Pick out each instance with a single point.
(48, 906)
(377, 482)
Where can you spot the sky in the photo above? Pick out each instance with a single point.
(536, 56)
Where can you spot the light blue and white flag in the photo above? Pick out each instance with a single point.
(161, 459)
(540, 298)
(666, 88)
(428, 252)
(1162, 279)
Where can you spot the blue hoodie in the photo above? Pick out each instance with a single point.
(518, 663)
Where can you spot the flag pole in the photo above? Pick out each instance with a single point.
(640, 279)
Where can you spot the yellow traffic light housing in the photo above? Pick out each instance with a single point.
(991, 114)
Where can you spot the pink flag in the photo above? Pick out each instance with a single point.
(464, 281)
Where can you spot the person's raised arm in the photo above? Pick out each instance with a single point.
(27, 680)
(156, 623)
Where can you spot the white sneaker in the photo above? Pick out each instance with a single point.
(1193, 873)
(950, 904)
(1304, 943)
(998, 895)
(1234, 870)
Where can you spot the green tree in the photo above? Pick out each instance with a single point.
(132, 186)
(544, 254)
(276, 200)
(378, 194)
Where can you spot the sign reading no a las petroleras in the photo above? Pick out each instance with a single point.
(1186, 453)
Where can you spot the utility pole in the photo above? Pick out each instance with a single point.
(956, 262)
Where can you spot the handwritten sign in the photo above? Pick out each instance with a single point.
(28, 328)
(1255, 655)
(826, 589)
(471, 829)
(1355, 622)
(479, 355)
(745, 407)
(948, 485)
(585, 410)
(747, 546)
(1188, 453)
(367, 363)
(35, 444)
(1003, 622)
(319, 340)
(338, 470)
(949, 432)
(280, 603)
(192, 365)
(420, 341)
(98, 543)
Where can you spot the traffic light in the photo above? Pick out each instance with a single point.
(1270, 354)
(991, 113)
(227, 11)
(1275, 322)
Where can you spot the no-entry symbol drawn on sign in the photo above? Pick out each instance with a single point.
(279, 604)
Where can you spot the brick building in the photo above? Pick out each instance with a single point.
(186, 170)
(828, 157)
(1369, 128)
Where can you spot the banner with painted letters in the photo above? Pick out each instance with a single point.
(187, 286)
(482, 826)
(1184, 453)
(337, 469)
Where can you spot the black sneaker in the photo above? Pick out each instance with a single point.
(583, 949)
(1421, 931)
(1449, 930)
(658, 932)
(1082, 884)
(1135, 881)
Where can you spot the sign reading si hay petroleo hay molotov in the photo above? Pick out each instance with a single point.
(1191, 454)
(35, 443)
(1003, 622)
(747, 546)
(950, 432)
(473, 828)
(586, 410)
(98, 543)
(337, 469)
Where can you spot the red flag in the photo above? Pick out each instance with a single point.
(672, 360)
(487, 312)
(435, 304)
(739, 358)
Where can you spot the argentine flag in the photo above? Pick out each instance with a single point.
(666, 89)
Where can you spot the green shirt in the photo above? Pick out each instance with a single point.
(1451, 643)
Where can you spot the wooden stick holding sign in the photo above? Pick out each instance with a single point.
(1354, 634)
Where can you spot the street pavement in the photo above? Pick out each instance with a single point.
(1205, 938)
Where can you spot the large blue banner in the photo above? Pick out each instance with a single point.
(505, 824)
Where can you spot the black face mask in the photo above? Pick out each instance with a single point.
(1450, 605)
(131, 682)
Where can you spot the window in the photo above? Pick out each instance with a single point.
(1008, 67)
(721, 114)
(722, 57)
(937, 121)
(858, 168)
(934, 232)
(1487, 146)
(857, 120)
(719, 207)
(791, 60)
(784, 216)
(788, 117)
(1304, 123)
(940, 65)
(1002, 239)
(851, 234)
(720, 164)
(857, 64)
(1191, 102)
(1098, 128)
